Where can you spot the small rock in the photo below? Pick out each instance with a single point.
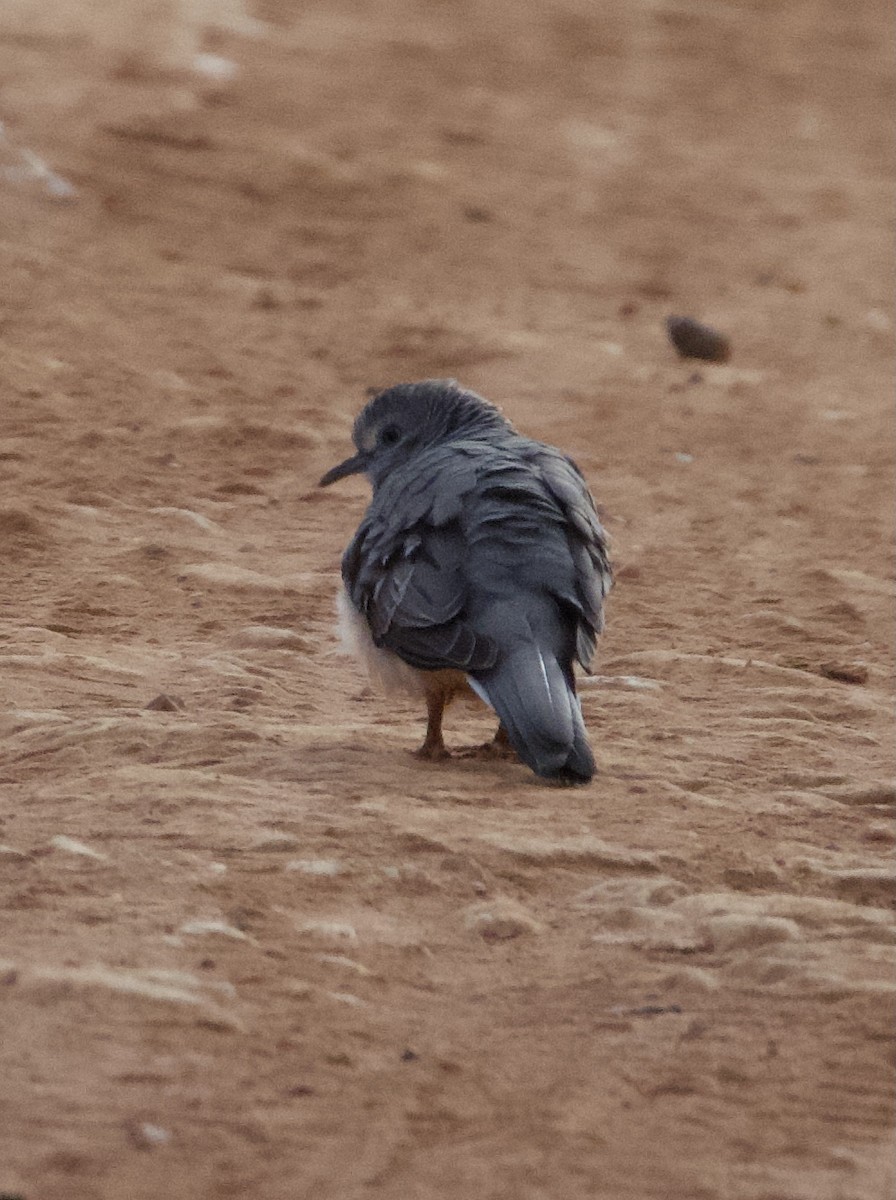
(635, 682)
(411, 878)
(314, 866)
(745, 879)
(856, 672)
(204, 928)
(300, 988)
(272, 842)
(693, 340)
(347, 998)
(734, 931)
(149, 1136)
(215, 67)
(500, 920)
(71, 846)
(165, 703)
(696, 978)
(342, 960)
(331, 931)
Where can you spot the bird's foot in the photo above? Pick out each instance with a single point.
(497, 750)
(432, 752)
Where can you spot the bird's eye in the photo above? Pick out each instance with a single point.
(391, 435)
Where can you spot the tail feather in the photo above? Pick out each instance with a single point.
(537, 705)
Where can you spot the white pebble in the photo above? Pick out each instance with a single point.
(337, 931)
(314, 866)
(154, 1135)
(71, 846)
(215, 66)
(342, 960)
(201, 928)
(188, 515)
(347, 998)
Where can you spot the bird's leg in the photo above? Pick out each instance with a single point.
(433, 748)
(498, 747)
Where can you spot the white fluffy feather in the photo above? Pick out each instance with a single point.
(384, 667)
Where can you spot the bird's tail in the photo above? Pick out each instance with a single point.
(540, 712)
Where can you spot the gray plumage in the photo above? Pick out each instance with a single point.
(481, 553)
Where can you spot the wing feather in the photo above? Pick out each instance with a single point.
(466, 521)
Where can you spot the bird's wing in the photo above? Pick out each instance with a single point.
(535, 524)
(404, 569)
(463, 526)
(587, 541)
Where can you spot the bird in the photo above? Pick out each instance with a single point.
(480, 564)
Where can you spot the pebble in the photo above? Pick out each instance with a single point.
(187, 514)
(272, 636)
(272, 841)
(331, 931)
(635, 682)
(854, 672)
(214, 66)
(347, 998)
(314, 866)
(693, 340)
(500, 920)
(150, 1136)
(165, 703)
(734, 931)
(342, 960)
(72, 846)
(221, 928)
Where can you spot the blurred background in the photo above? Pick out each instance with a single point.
(414, 188)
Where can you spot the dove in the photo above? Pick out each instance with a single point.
(480, 564)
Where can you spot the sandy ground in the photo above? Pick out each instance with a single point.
(250, 946)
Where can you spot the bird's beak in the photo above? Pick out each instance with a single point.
(352, 466)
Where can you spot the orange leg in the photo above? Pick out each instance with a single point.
(433, 748)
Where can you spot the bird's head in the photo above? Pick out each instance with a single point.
(402, 420)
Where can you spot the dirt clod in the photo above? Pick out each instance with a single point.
(694, 340)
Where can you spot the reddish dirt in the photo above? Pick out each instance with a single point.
(250, 946)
